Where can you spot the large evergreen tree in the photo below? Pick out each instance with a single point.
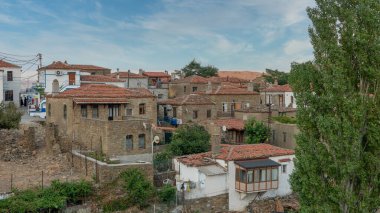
(195, 68)
(338, 153)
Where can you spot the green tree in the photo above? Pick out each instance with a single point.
(338, 147)
(10, 117)
(271, 75)
(40, 89)
(195, 68)
(190, 139)
(255, 131)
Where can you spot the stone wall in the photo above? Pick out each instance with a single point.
(208, 204)
(283, 135)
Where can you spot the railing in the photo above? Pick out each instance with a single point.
(225, 114)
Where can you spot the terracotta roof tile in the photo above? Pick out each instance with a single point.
(231, 124)
(103, 91)
(99, 78)
(195, 79)
(236, 152)
(246, 75)
(278, 88)
(226, 89)
(228, 79)
(124, 74)
(66, 66)
(156, 74)
(7, 64)
(192, 99)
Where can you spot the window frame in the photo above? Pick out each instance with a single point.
(83, 110)
(284, 168)
(9, 75)
(208, 115)
(139, 145)
(93, 107)
(195, 114)
(194, 89)
(129, 137)
(142, 109)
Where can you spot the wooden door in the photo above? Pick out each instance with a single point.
(71, 78)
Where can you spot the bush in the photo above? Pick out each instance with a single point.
(10, 117)
(285, 119)
(190, 139)
(162, 161)
(140, 191)
(255, 131)
(119, 204)
(167, 194)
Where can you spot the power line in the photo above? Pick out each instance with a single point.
(26, 56)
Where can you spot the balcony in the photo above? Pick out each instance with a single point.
(223, 114)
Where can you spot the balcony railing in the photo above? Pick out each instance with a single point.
(227, 114)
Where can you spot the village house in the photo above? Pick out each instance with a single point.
(101, 79)
(185, 109)
(158, 83)
(279, 95)
(228, 130)
(187, 85)
(244, 172)
(10, 83)
(105, 118)
(132, 80)
(67, 75)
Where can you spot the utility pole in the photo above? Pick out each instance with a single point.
(39, 66)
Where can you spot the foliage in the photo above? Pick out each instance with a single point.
(52, 198)
(163, 161)
(167, 194)
(285, 119)
(119, 204)
(10, 117)
(189, 139)
(40, 89)
(282, 77)
(338, 146)
(195, 68)
(140, 191)
(255, 131)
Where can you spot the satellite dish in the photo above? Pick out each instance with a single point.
(156, 139)
(224, 128)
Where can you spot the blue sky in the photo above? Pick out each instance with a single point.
(159, 34)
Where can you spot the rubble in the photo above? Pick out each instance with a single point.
(278, 204)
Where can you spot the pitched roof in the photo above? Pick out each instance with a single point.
(124, 74)
(192, 99)
(99, 78)
(8, 65)
(156, 74)
(66, 66)
(228, 79)
(234, 153)
(229, 90)
(231, 123)
(247, 75)
(102, 92)
(278, 88)
(195, 79)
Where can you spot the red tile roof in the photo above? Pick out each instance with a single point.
(215, 79)
(247, 75)
(231, 124)
(94, 92)
(156, 74)
(7, 64)
(195, 79)
(236, 152)
(99, 78)
(192, 99)
(66, 66)
(124, 74)
(229, 90)
(278, 88)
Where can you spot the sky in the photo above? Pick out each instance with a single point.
(157, 35)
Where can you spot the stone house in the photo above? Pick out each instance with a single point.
(187, 85)
(185, 109)
(284, 135)
(105, 118)
(10, 83)
(244, 172)
(101, 79)
(158, 83)
(228, 130)
(132, 80)
(279, 95)
(66, 75)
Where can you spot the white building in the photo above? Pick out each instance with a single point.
(132, 80)
(67, 75)
(101, 79)
(10, 83)
(245, 172)
(279, 95)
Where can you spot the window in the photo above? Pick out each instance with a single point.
(9, 95)
(256, 176)
(9, 76)
(141, 109)
(209, 113)
(142, 141)
(160, 96)
(83, 109)
(284, 136)
(243, 176)
(49, 110)
(250, 176)
(95, 111)
(174, 112)
(184, 89)
(129, 142)
(274, 174)
(128, 110)
(195, 89)
(273, 135)
(113, 110)
(195, 114)
(283, 168)
(263, 175)
(225, 107)
(65, 111)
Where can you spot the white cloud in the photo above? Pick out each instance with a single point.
(297, 47)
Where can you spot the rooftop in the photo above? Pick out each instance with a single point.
(8, 65)
(124, 74)
(91, 93)
(231, 124)
(236, 153)
(195, 79)
(99, 78)
(192, 99)
(246, 75)
(226, 89)
(278, 88)
(156, 74)
(228, 79)
(65, 66)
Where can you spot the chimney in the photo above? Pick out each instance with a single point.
(250, 86)
(215, 140)
(209, 88)
(166, 72)
(141, 71)
(275, 81)
(117, 73)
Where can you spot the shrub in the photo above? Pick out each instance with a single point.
(10, 117)
(190, 139)
(255, 131)
(167, 194)
(119, 204)
(162, 161)
(285, 119)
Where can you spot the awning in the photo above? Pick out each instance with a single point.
(249, 164)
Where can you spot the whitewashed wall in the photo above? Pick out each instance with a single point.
(14, 85)
(47, 77)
